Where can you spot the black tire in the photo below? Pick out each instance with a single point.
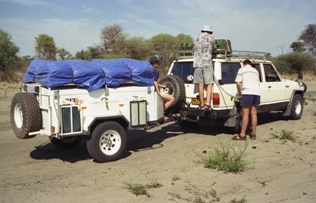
(25, 115)
(66, 142)
(297, 107)
(188, 124)
(176, 85)
(108, 142)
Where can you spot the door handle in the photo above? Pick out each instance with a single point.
(287, 86)
(269, 86)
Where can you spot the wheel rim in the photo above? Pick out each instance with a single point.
(110, 142)
(298, 108)
(18, 116)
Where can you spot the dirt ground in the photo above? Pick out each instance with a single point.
(33, 170)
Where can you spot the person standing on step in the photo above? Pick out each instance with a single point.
(248, 86)
(203, 46)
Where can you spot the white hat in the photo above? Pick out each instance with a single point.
(207, 29)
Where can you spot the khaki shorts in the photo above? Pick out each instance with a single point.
(203, 75)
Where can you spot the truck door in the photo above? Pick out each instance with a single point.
(272, 86)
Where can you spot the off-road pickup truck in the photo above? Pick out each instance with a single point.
(277, 94)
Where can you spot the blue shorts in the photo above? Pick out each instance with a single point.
(249, 100)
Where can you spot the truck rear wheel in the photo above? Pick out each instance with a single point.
(25, 115)
(108, 142)
(297, 107)
(65, 142)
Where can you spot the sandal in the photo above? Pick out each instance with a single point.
(253, 136)
(238, 137)
(203, 107)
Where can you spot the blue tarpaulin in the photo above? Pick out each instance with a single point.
(92, 74)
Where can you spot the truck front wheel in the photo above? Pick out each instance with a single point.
(297, 107)
(108, 142)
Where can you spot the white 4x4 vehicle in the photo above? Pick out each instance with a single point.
(277, 94)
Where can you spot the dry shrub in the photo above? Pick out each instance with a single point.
(6, 87)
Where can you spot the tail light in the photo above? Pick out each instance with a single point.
(216, 99)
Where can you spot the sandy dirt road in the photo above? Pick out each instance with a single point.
(33, 170)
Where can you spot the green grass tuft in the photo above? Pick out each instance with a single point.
(228, 157)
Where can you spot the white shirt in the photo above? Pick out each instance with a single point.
(249, 77)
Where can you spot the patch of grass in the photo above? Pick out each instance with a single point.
(284, 136)
(199, 196)
(175, 178)
(242, 200)
(139, 189)
(153, 184)
(228, 157)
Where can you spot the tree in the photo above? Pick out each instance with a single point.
(295, 62)
(297, 46)
(110, 35)
(8, 57)
(308, 36)
(134, 47)
(45, 47)
(63, 54)
(183, 38)
(166, 46)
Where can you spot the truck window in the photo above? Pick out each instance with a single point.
(257, 66)
(229, 72)
(270, 73)
(184, 70)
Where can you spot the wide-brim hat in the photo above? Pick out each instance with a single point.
(207, 29)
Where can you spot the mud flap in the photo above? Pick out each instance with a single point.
(231, 121)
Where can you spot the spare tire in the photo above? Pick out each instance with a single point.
(177, 90)
(25, 115)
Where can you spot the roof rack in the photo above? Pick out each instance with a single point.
(221, 53)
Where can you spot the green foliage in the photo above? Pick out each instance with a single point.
(139, 189)
(308, 36)
(284, 136)
(297, 46)
(295, 62)
(227, 157)
(63, 54)
(8, 57)
(175, 178)
(45, 47)
(134, 47)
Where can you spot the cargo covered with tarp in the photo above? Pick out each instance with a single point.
(92, 74)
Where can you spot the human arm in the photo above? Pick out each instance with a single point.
(238, 85)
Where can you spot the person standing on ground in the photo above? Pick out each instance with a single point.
(203, 47)
(167, 98)
(248, 86)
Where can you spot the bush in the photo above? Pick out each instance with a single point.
(295, 62)
(228, 157)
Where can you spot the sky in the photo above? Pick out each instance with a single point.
(251, 25)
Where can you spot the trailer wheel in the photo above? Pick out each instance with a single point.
(108, 142)
(297, 107)
(65, 142)
(25, 115)
(176, 89)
